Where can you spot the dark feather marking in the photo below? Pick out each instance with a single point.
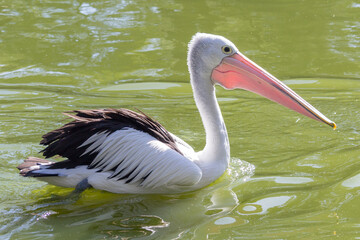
(128, 175)
(146, 176)
(125, 177)
(117, 174)
(32, 174)
(66, 140)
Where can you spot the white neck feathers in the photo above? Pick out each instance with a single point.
(215, 156)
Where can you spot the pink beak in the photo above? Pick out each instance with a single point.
(237, 71)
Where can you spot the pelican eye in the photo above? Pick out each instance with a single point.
(226, 49)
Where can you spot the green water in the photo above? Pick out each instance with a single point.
(297, 178)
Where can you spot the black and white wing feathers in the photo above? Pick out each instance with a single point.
(126, 145)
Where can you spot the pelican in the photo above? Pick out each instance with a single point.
(122, 151)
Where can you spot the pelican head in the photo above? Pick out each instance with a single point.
(214, 60)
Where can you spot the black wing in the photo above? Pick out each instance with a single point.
(66, 141)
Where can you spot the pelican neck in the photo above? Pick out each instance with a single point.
(217, 148)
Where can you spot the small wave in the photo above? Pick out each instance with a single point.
(28, 71)
(239, 170)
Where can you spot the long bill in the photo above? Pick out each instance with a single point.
(237, 71)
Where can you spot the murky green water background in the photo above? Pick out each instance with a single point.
(304, 178)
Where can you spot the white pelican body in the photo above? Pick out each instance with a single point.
(122, 151)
